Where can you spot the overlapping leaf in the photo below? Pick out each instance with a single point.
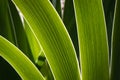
(25, 68)
(70, 23)
(53, 37)
(115, 71)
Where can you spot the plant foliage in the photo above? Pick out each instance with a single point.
(51, 43)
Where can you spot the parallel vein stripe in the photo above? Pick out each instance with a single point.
(53, 37)
(20, 62)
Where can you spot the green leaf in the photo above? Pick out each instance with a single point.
(45, 70)
(38, 54)
(70, 23)
(34, 45)
(53, 37)
(6, 28)
(25, 68)
(115, 71)
(109, 6)
(57, 6)
(19, 32)
(92, 39)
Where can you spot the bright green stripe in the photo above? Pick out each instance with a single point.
(19, 32)
(34, 44)
(115, 70)
(70, 23)
(57, 6)
(109, 6)
(92, 39)
(25, 68)
(53, 37)
(6, 30)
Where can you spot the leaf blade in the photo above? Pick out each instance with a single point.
(70, 23)
(19, 31)
(53, 38)
(19, 61)
(115, 61)
(57, 6)
(34, 44)
(92, 39)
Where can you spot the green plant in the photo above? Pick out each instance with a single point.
(49, 45)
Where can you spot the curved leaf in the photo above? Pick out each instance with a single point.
(25, 68)
(57, 6)
(70, 23)
(53, 37)
(19, 31)
(115, 66)
(33, 42)
(109, 6)
(6, 30)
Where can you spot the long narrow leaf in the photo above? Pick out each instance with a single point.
(6, 30)
(19, 32)
(115, 70)
(5, 21)
(70, 23)
(57, 6)
(19, 61)
(53, 37)
(92, 39)
(34, 45)
(39, 57)
(109, 6)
